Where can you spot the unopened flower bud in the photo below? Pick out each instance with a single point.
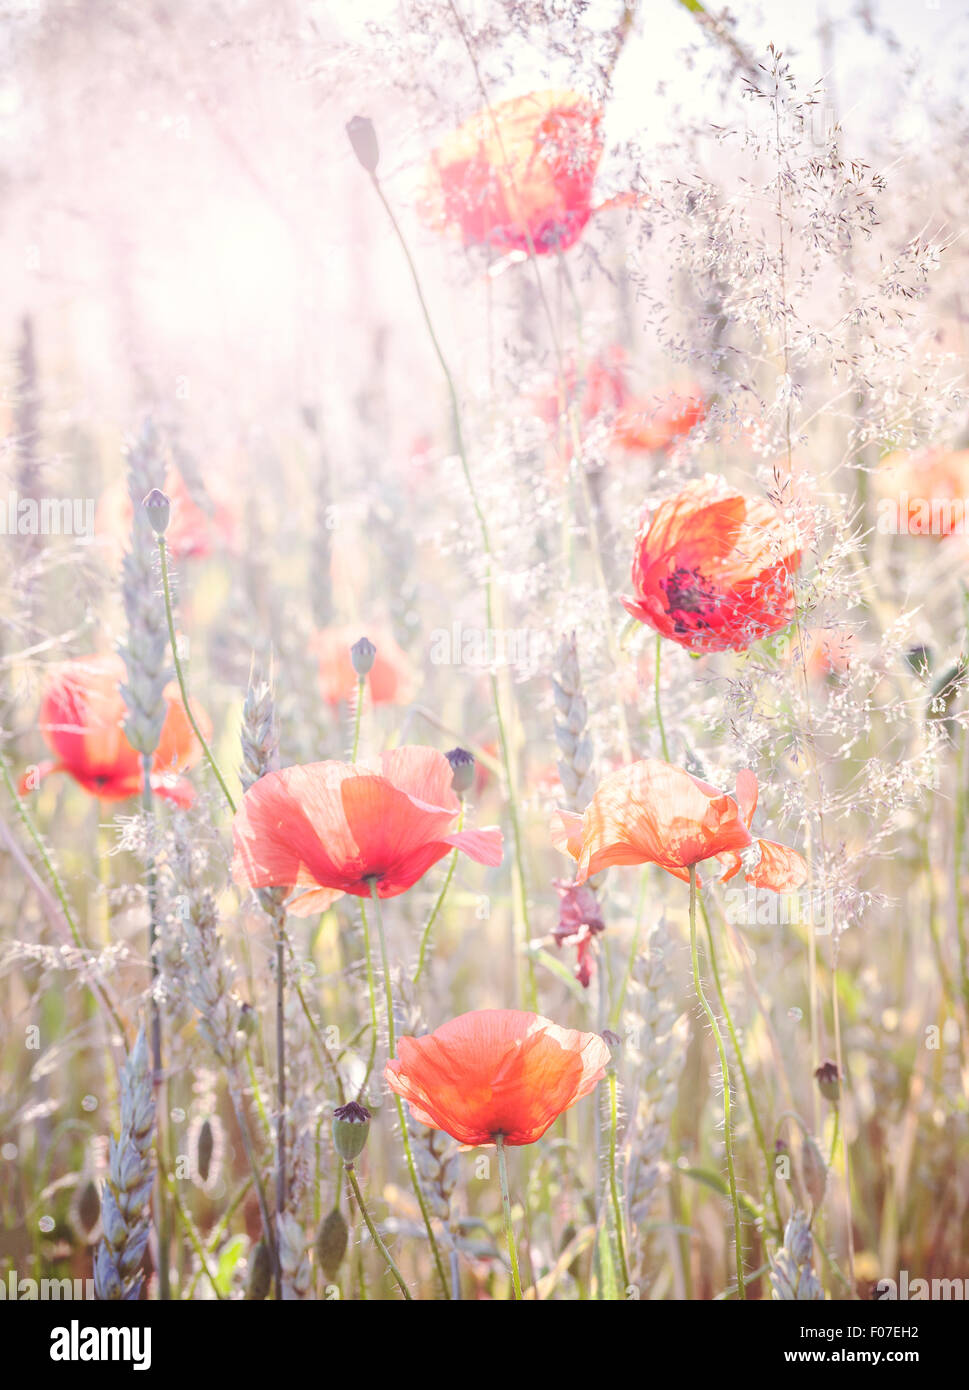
(158, 510)
(363, 138)
(331, 1242)
(362, 654)
(462, 770)
(829, 1080)
(247, 1022)
(351, 1125)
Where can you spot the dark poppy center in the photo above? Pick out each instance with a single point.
(688, 592)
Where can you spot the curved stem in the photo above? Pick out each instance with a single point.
(725, 1082)
(506, 1212)
(405, 1134)
(374, 1233)
(426, 934)
(176, 661)
(748, 1088)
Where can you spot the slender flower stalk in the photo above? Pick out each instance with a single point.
(392, 1047)
(374, 1233)
(725, 1084)
(506, 1212)
(617, 1212)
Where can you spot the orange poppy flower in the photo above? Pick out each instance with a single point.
(496, 1072)
(82, 713)
(650, 425)
(391, 678)
(651, 813)
(522, 170)
(193, 533)
(779, 868)
(925, 493)
(333, 827)
(712, 569)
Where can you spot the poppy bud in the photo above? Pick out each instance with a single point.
(363, 138)
(331, 1242)
(158, 510)
(829, 1080)
(247, 1021)
(260, 1277)
(87, 1212)
(462, 770)
(362, 655)
(351, 1125)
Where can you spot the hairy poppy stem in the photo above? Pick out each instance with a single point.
(372, 992)
(725, 1082)
(506, 1211)
(659, 704)
(748, 1089)
(176, 661)
(374, 1233)
(426, 935)
(503, 741)
(356, 719)
(405, 1135)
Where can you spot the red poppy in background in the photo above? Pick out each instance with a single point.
(924, 493)
(334, 828)
(193, 533)
(496, 1072)
(650, 425)
(779, 868)
(522, 170)
(390, 680)
(712, 569)
(651, 813)
(580, 922)
(82, 713)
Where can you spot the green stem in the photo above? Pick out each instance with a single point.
(659, 707)
(489, 584)
(405, 1134)
(176, 660)
(506, 1212)
(613, 1182)
(426, 935)
(748, 1088)
(356, 719)
(725, 1082)
(374, 1233)
(372, 994)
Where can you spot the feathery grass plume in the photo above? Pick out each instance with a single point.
(145, 650)
(125, 1211)
(792, 1275)
(654, 1030)
(575, 765)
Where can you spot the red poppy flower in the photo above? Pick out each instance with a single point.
(712, 569)
(779, 868)
(496, 1071)
(924, 493)
(82, 712)
(523, 169)
(193, 532)
(391, 678)
(334, 827)
(651, 813)
(650, 425)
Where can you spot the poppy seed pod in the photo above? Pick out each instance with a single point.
(462, 770)
(158, 510)
(260, 1277)
(351, 1125)
(362, 654)
(363, 138)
